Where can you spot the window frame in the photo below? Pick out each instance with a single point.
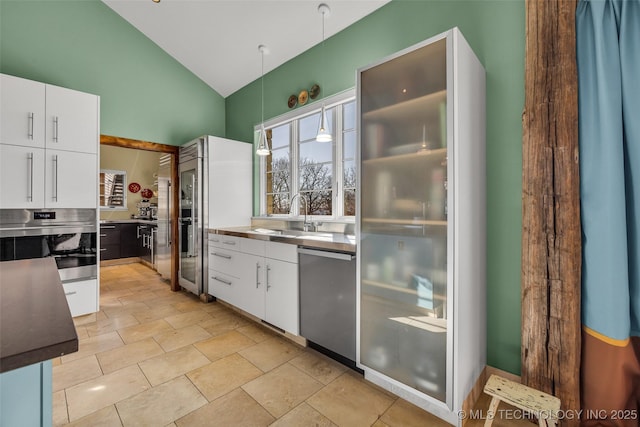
(335, 104)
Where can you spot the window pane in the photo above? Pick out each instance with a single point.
(280, 182)
(280, 136)
(349, 202)
(349, 178)
(349, 148)
(320, 203)
(315, 177)
(309, 127)
(278, 204)
(279, 159)
(349, 115)
(315, 152)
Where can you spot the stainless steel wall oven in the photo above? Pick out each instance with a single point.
(67, 235)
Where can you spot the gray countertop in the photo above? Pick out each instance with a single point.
(35, 321)
(319, 240)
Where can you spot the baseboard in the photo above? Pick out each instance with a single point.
(470, 401)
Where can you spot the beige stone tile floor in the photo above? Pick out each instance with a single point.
(152, 357)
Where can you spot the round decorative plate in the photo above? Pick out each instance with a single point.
(134, 187)
(303, 96)
(147, 193)
(293, 101)
(314, 91)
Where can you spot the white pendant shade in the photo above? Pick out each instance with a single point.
(263, 149)
(324, 135)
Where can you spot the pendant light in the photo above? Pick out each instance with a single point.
(324, 135)
(263, 149)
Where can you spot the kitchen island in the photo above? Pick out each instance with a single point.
(35, 327)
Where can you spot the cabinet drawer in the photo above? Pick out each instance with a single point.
(282, 251)
(252, 246)
(82, 297)
(225, 261)
(109, 251)
(223, 286)
(109, 234)
(223, 241)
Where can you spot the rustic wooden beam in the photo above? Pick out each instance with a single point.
(551, 237)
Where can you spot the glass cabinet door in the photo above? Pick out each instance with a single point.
(188, 225)
(403, 218)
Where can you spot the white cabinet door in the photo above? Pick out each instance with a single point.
(21, 177)
(72, 120)
(281, 302)
(251, 296)
(21, 111)
(71, 180)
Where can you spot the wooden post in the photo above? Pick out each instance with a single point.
(551, 237)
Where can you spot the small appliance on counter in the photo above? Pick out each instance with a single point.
(146, 210)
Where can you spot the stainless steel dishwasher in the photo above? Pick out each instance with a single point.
(328, 302)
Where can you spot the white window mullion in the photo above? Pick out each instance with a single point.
(338, 207)
(295, 171)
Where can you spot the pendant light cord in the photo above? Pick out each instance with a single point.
(262, 88)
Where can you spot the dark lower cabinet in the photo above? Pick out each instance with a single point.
(129, 240)
(126, 240)
(109, 241)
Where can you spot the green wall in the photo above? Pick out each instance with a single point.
(144, 93)
(495, 29)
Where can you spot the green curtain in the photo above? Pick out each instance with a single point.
(608, 56)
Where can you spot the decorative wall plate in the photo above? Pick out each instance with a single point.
(314, 91)
(293, 101)
(134, 187)
(147, 193)
(303, 96)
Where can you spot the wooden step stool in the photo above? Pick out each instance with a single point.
(544, 406)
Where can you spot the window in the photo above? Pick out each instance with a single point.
(320, 177)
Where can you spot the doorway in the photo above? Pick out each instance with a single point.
(173, 152)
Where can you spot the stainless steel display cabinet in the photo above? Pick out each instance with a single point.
(421, 275)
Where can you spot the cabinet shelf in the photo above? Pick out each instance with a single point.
(409, 110)
(397, 221)
(417, 157)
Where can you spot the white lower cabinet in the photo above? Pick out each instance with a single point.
(82, 296)
(258, 277)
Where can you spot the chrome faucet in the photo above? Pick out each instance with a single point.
(305, 224)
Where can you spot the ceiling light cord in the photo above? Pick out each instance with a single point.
(323, 134)
(263, 149)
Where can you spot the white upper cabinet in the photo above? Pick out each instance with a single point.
(49, 140)
(72, 119)
(22, 104)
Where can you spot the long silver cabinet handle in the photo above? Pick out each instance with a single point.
(107, 226)
(268, 270)
(228, 243)
(30, 127)
(257, 274)
(71, 293)
(222, 255)
(55, 128)
(226, 282)
(30, 162)
(55, 179)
